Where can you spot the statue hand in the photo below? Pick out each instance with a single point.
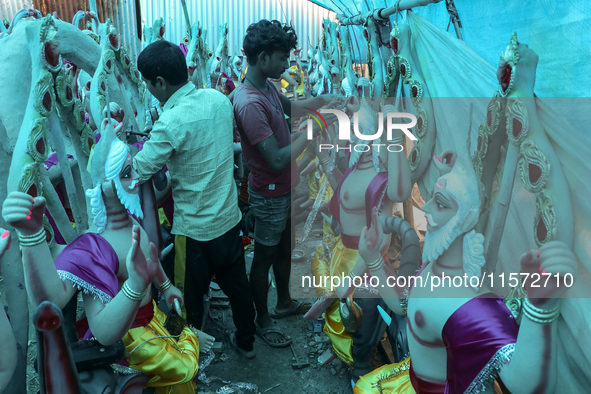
(554, 258)
(524, 73)
(23, 212)
(110, 122)
(170, 295)
(141, 271)
(4, 241)
(445, 162)
(371, 239)
(318, 308)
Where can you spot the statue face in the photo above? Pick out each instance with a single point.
(441, 208)
(128, 177)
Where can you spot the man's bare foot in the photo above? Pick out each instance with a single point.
(205, 340)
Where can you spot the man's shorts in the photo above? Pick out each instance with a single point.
(270, 216)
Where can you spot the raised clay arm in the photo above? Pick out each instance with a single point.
(399, 182)
(165, 286)
(41, 277)
(535, 354)
(370, 258)
(8, 359)
(537, 341)
(110, 322)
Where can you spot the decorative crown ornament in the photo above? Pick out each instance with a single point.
(510, 56)
(101, 153)
(511, 53)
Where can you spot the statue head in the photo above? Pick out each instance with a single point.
(454, 210)
(112, 176)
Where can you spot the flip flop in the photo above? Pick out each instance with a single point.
(262, 332)
(248, 354)
(299, 308)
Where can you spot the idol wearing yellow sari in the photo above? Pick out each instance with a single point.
(170, 363)
(390, 379)
(91, 264)
(342, 260)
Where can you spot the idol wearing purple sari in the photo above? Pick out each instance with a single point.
(461, 338)
(111, 269)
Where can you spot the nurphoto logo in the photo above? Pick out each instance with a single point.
(344, 128)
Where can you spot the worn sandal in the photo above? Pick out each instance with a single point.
(248, 354)
(262, 332)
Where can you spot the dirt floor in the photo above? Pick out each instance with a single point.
(271, 371)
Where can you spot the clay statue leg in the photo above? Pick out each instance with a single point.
(370, 332)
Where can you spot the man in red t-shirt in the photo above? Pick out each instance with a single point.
(269, 151)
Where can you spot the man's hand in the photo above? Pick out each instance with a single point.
(141, 271)
(553, 258)
(335, 101)
(23, 212)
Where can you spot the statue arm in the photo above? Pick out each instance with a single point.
(535, 354)
(399, 182)
(371, 244)
(8, 359)
(41, 277)
(534, 357)
(109, 323)
(169, 292)
(288, 78)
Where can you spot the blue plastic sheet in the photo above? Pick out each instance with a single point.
(557, 31)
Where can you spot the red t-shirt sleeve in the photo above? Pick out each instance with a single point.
(255, 123)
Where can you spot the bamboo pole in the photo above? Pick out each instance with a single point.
(383, 14)
(504, 201)
(55, 207)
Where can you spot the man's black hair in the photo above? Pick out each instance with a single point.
(268, 36)
(163, 59)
